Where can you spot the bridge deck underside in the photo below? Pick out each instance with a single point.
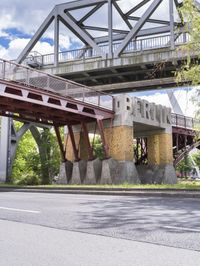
(148, 70)
(30, 104)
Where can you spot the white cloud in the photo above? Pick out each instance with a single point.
(17, 45)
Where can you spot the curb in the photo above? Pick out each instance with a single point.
(111, 192)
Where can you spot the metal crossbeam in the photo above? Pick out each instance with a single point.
(90, 13)
(138, 6)
(138, 26)
(36, 37)
(72, 25)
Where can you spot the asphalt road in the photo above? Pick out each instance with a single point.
(59, 229)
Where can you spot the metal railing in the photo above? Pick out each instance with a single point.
(11, 71)
(184, 121)
(134, 46)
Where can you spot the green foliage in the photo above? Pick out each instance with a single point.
(51, 160)
(36, 163)
(190, 71)
(98, 148)
(27, 160)
(185, 166)
(196, 158)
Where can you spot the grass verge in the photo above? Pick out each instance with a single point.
(182, 185)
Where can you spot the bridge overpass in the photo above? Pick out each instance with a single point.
(30, 95)
(141, 54)
(145, 64)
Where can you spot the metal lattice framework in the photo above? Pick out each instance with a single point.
(30, 95)
(113, 41)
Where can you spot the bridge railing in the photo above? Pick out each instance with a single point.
(184, 121)
(139, 45)
(21, 74)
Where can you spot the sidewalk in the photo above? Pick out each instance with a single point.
(108, 191)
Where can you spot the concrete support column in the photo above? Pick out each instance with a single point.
(120, 167)
(160, 149)
(160, 159)
(120, 142)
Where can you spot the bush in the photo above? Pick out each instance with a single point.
(28, 180)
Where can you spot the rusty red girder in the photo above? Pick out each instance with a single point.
(46, 107)
(31, 104)
(184, 140)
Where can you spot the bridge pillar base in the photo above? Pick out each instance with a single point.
(65, 173)
(78, 172)
(93, 173)
(167, 174)
(119, 172)
(160, 158)
(157, 174)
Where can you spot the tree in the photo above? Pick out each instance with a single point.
(48, 152)
(190, 71)
(185, 166)
(37, 159)
(196, 158)
(97, 147)
(26, 165)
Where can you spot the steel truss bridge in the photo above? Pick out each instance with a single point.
(133, 48)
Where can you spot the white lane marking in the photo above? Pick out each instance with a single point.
(182, 228)
(18, 210)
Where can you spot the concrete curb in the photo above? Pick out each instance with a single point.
(110, 191)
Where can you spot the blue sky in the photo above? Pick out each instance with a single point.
(19, 20)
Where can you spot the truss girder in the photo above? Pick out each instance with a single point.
(47, 106)
(80, 4)
(78, 31)
(135, 8)
(141, 33)
(64, 13)
(36, 36)
(138, 26)
(91, 12)
(123, 16)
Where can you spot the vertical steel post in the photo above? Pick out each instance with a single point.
(101, 131)
(62, 151)
(56, 40)
(87, 142)
(110, 28)
(4, 148)
(171, 16)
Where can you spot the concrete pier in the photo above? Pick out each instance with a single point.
(134, 118)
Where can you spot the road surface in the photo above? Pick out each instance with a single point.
(72, 230)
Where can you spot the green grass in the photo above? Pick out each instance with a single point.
(182, 184)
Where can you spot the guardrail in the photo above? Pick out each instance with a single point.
(184, 121)
(21, 74)
(138, 45)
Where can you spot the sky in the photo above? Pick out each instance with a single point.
(19, 20)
